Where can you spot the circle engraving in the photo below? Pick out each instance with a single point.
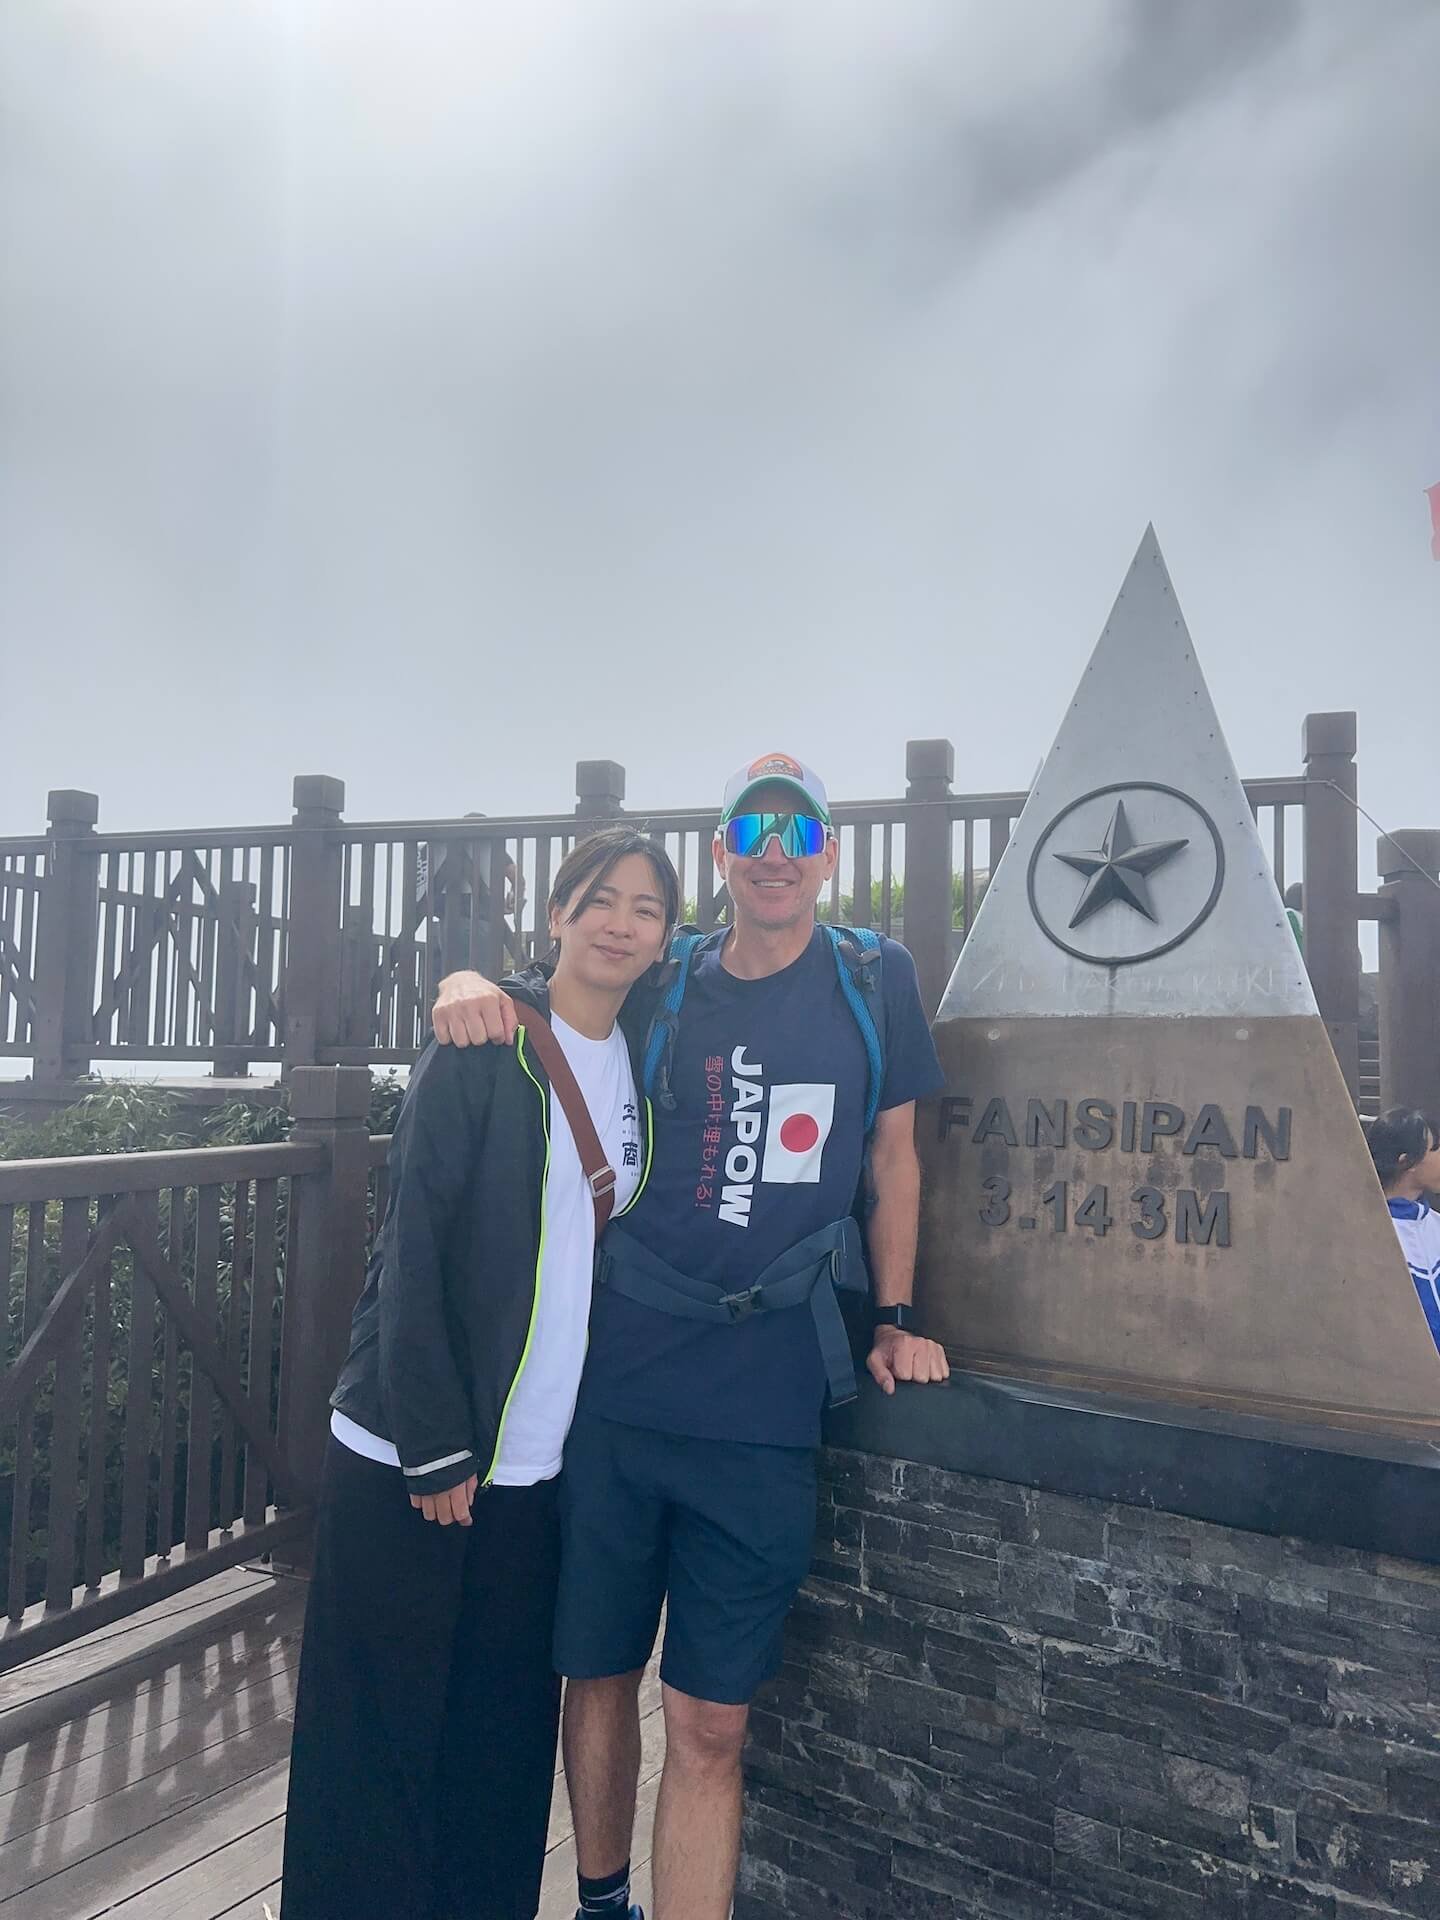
(1125, 873)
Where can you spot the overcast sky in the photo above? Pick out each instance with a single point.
(794, 375)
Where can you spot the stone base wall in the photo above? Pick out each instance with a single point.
(1011, 1703)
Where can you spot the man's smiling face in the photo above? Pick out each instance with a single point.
(773, 891)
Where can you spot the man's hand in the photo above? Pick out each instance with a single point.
(471, 1011)
(894, 1220)
(451, 1507)
(905, 1356)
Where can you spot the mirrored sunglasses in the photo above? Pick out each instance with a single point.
(799, 834)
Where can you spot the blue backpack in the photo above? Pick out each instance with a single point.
(859, 962)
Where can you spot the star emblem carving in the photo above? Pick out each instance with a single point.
(1119, 868)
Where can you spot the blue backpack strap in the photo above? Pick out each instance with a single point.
(858, 964)
(859, 958)
(660, 1041)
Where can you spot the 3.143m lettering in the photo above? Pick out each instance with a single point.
(1195, 1219)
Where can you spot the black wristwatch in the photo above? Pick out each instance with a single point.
(901, 1318)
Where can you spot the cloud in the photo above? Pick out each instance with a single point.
(762, 374)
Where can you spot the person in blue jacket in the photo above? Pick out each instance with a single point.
(427, 1707)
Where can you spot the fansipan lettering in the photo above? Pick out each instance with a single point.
(1146, 1127)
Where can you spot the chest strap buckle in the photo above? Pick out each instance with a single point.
(740, 1306)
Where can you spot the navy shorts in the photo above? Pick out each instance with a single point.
(723, 1528)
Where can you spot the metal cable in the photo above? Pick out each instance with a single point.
(1384, 835)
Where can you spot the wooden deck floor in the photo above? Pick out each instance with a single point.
(143, 1770)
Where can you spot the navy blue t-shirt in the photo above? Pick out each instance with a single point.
(764, 1146)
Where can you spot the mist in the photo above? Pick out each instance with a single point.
(435, 396)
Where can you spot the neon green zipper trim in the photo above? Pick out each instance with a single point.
(649, 1155)
(539, 1260)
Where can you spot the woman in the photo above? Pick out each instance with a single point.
(1405, 1147)
(426, 1715)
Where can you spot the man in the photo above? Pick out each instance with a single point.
(690, 1470)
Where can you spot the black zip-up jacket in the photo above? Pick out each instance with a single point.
(442, 1332)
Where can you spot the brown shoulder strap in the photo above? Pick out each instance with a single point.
(597, 1169)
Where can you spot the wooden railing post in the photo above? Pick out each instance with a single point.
(325, 1260)
(1332, 924)
(929, 770)
(312, 963)
(599, 794)
(232, 999)
(1409, 866)
(65, 941)
(358, 958)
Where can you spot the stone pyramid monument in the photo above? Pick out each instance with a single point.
(1146, 1175)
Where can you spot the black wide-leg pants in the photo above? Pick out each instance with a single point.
(427, 1709)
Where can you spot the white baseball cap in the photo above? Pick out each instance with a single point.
(776, 770)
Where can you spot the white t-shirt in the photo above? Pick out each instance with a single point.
(542, 1403)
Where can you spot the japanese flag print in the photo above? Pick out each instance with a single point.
(795, 1133)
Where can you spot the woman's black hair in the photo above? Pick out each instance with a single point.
(589, 864)
(1398, 1139)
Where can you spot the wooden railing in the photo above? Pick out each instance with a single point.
(323, 941)
(190, 945)
(24, 865)
(174, 1323)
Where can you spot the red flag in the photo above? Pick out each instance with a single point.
(1432, 494)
